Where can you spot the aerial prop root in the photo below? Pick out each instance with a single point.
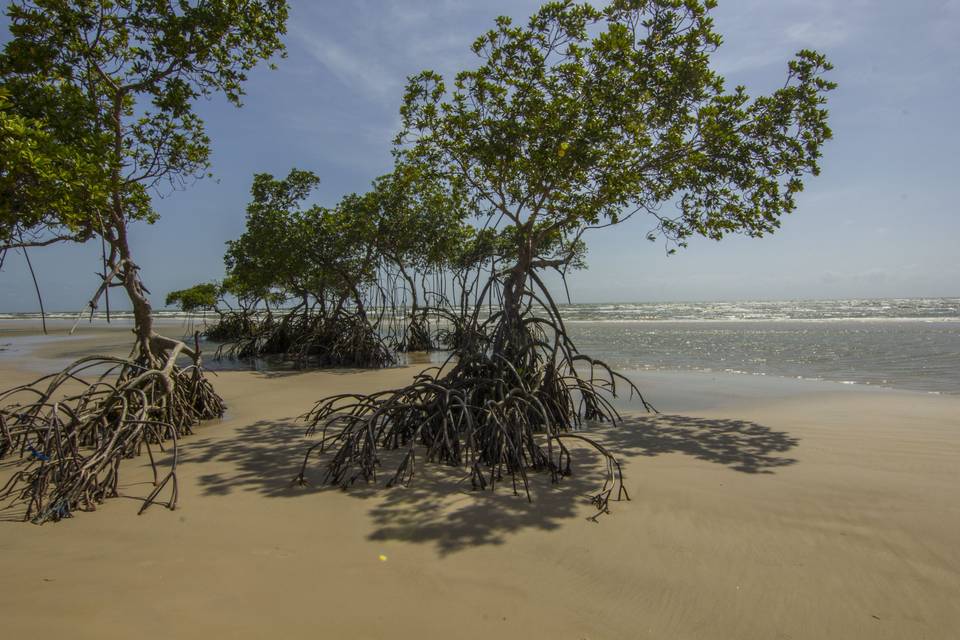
(496, 418)
(416, 334)
(68, 433)
(345, 338)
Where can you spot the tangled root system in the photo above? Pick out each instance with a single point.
(495, 416)
(343, 340)
(232, 326)
(416, 335)
(68, 434)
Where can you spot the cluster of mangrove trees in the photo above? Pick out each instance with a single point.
(348, 285)
(581, 118)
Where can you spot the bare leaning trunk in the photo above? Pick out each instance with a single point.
(142, 311)
(149, 347)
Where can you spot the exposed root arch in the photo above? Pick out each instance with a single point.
(498, 417)
(69, 432)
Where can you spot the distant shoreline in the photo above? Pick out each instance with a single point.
(839, 309)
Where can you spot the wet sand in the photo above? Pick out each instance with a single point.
(761, 509)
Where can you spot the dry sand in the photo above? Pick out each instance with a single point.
(765, 510)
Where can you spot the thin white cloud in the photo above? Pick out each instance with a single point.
(814, 34)
(349, 66)
(947, 28)
(727, 64)
(761, 34)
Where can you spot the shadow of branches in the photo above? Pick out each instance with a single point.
(741, 445)
(262, 458)
(439, 506)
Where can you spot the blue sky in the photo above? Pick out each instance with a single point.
(882, 219)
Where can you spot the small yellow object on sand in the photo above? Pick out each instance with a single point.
(383, 558)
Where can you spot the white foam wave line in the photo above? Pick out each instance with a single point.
(865, 383)
(936, 319)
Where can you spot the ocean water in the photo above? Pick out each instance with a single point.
(904, 343)
(900, 343)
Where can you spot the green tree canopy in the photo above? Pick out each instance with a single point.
(44, 185)
(586, 116)
(200, 297)
(116, 81)
(289, 251)
(110, 85)
(419, 219)
(267, 259)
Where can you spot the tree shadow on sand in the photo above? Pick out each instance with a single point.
(440, 508)
(741, 445)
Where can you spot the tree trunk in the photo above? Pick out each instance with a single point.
(510, 338)
(154, 350)
(117, 238)
(142, 309)
(414, 302)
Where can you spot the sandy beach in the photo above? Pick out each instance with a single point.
(430, 240)
(761, 508)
